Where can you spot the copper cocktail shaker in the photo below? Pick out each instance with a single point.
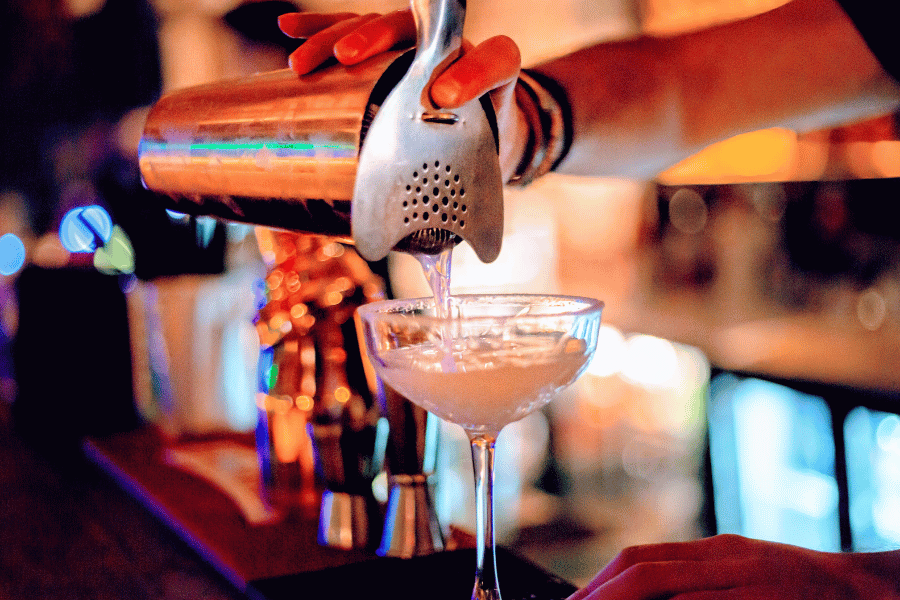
(269, 149)
(283, 151)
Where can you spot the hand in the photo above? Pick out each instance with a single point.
(730, 567)
(353, 38)
(490, 67)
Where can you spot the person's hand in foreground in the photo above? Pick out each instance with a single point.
(490, 67)
(731, 567)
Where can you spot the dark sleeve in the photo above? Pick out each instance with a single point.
(879, 29)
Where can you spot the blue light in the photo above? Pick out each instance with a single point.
(85, 228)
(773, 463)
(178, 217)
(12, 254)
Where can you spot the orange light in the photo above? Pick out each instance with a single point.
(757, 155)
(333, 298)
(342, 394)
(275, 278)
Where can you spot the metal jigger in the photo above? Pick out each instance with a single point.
(344, 428)
(411, 527)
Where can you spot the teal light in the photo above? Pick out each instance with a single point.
(231, 147)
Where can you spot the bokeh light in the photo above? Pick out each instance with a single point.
(12, 254)
(610, 352)
(85, 228)
(117, 255)
(650, 361)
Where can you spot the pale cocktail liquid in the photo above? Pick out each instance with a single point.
(495, 381)
(480, 383)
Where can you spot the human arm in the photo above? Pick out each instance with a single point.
(641, 105)
(652, 101)
(730, 567)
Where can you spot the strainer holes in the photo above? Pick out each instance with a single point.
(462, 191)
(453, 193)
(437, 177)
(452, 218)
(415, 216)
(409, 188)
(447, 168)
(456, 178)
(462, 223)
(406, 220)
(455, 205)
(437, 164)
(418, 190)
(425, 200)
(424, 216)
(446, 201)
(436, 191)
(415, 174)
(434, 207)
(424, 166)
(446, 183)
(414, 201)
(463, 208)
(405, 204)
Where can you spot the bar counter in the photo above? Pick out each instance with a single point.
(109, 518)
(67, 530)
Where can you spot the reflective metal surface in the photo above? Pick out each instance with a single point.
(271, 149)
(343, 151)
(426, 169)
(411, 527)
(345, 520)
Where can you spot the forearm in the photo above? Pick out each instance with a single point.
(641, 105)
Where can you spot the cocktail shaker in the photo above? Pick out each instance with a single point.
(357, 151)
(270, 149)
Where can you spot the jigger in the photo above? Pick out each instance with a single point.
(344, 425)
(411, 527)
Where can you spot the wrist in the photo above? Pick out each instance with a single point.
(545, 115)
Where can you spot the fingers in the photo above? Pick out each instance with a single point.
(721, 546)
(320, 46)
(375, 36)
(349, 37)
(665, 579)
(304, 25)
(748, 593)
(353, 38)
(490, 65)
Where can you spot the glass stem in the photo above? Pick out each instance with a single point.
(486, 587)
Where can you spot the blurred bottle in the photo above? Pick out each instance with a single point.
(317, 414)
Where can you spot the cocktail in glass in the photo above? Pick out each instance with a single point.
(492, 361)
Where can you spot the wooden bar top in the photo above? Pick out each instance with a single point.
(127, 516)
(68, 531)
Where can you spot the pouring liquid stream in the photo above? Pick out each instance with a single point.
(436, 268)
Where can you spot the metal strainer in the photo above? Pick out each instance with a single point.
(428, 178)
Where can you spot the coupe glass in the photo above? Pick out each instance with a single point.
(496, 359)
